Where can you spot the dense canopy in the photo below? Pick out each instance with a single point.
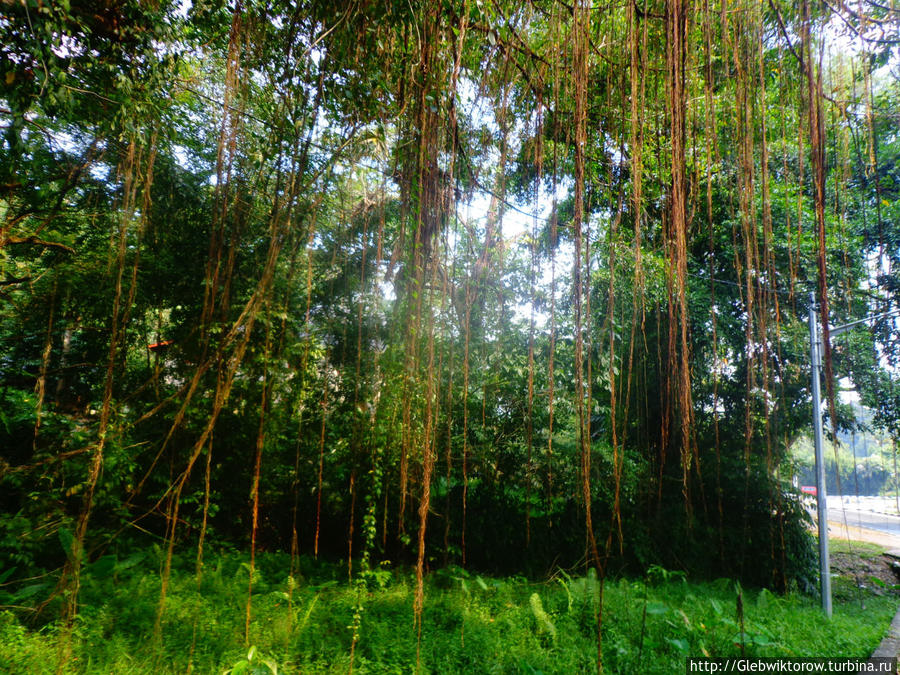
(507, 285)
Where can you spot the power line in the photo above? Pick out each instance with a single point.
(470, 169)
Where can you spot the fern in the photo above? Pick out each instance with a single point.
(565, 584)
(544, 624)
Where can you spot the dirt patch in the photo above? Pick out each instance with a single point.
(864, 568)
(838, 530)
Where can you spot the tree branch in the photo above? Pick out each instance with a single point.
(14, 280)
(32, 239)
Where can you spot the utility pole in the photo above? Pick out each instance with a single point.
(815, 359)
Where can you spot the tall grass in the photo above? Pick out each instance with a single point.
(471, 624)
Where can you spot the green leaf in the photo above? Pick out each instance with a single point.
(6, 574)
(67, 541)
(28, 591)
(130, 562)
(680, 644)
(103, 567)
(544, 623)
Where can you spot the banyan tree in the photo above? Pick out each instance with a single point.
(496, 284)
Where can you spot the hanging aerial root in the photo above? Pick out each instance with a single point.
(130, 171)
(676, 55)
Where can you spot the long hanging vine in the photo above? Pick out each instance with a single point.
(676, 55)
(137, 174)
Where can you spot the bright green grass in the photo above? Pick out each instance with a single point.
(471, 624)
(861, 548)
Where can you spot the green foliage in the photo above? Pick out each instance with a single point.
(544, 624)
(864, 457)
(497, 625)
(285, 231)
(253, 664)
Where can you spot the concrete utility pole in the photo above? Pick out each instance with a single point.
(815, 357)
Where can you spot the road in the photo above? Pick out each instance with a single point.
(872, 521)
(868, 518)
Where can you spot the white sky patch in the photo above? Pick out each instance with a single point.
(99, 171)
(67, 47)
(841, 43)
(182, 157)
(184, 7)
(846, 393)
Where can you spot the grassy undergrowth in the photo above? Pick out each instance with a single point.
(863, 549)
(471, 624)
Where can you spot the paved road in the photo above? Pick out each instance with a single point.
(872, 519)
(867, 519)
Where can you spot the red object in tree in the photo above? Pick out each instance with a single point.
(159, 346)
(809, 490)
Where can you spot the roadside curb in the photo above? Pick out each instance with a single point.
(890, 645)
